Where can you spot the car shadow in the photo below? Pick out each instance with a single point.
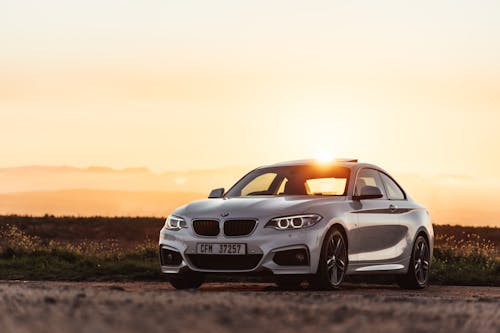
(304, 288)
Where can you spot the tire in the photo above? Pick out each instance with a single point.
(187, 280)
(418, 270)
(333, 262)
(289, 282)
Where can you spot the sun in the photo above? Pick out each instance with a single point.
(324, 157)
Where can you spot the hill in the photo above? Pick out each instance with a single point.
(95, 202)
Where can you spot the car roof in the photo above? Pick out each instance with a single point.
(349, 163)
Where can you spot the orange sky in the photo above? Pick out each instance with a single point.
(192, 85)
(451, 199)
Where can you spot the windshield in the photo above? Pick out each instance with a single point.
(293, 180)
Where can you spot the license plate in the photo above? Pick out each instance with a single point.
(221, 248)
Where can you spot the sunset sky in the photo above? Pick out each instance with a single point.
(186, 85)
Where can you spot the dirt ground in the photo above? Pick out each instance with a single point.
(155, 307)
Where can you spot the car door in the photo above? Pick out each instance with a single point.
(378, 229)
(404, 209)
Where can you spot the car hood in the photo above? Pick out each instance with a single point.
(253, 207)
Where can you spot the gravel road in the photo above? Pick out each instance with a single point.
(244, 307)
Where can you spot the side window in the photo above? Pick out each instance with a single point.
(260, 185)
(394, 192)
(281, 189)
(368, 177)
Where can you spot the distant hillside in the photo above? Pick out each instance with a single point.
(39, 190)
(95, 202)
(53, 178)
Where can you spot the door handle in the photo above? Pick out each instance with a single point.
(393, 208)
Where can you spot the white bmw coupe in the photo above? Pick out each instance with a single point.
(301, 221)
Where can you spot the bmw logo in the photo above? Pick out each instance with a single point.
(225, 214)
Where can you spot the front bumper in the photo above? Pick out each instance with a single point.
(262, 246)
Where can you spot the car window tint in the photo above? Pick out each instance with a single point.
(368, 177)
(259, 185)
(394, 192)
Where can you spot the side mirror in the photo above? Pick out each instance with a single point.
(217, 193)
(369, 192)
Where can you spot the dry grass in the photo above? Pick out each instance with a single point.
(469, 259)
(465, 258)
(23, 256)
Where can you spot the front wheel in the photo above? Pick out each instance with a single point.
(186, 280)
(332, 262)
(418, 270)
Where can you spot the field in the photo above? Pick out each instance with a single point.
(124, 249)
(101, 275)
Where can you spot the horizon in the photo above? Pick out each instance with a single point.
(141, 192)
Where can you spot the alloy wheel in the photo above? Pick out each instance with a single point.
(421, 258)
(336, 259)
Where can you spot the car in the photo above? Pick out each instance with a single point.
(301, 221)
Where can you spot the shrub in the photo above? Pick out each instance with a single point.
(468, 260)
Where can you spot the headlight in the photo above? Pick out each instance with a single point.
(175, 223)
(294, 222)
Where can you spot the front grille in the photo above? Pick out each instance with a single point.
(206, 227)
(225, 262)
(169, 257)
(238, 227)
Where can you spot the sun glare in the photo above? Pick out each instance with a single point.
(324, 157)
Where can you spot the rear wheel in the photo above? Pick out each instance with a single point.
(186, 280)
(332, 262)
(418, 271)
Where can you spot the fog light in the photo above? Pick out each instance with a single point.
(295, 257)
(300, 257)
(169, 257)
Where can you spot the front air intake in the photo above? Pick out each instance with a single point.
(225, 262)
(206, 227)
(169, 257)
(235, 228)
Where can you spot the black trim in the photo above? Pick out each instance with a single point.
(225, 262)
(384, 211)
